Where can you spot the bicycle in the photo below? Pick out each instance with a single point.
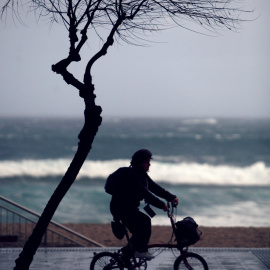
(186, 260)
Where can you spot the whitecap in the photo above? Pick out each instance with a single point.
(257, 174)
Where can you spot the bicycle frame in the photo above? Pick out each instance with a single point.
(119, 260)
(170, 214)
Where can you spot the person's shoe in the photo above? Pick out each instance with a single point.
(144, 255)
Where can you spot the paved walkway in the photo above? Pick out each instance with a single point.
(80, 258)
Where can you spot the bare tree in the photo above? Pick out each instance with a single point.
(107, 20)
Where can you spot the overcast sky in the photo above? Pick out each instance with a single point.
(182, 74)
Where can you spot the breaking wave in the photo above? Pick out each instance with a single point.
(257, 174)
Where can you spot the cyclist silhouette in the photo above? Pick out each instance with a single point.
(125, 203)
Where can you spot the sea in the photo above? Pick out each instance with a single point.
(218, 168)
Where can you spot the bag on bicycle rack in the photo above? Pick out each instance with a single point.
(118, 229)
(187, 232)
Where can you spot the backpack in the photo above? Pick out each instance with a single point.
(116, 180)
(186, 232)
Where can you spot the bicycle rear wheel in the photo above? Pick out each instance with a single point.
(106, 261)
(195, 261)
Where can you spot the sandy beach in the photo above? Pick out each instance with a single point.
(237, 237)
(249, 237)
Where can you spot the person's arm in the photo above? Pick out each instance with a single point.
(152, 199)
(159, 191)
(140, 188)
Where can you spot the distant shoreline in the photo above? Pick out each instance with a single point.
(238, 237)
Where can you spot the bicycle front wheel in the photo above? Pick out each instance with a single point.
(106, 261)
(192, 261)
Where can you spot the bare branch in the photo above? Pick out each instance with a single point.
(103, 50)
(141, 15)
(127, 20)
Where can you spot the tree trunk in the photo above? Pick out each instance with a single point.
(86, 137)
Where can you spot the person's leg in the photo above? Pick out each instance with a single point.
(139, 224)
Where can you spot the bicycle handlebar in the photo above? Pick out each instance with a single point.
(171, 207)
(174, 204)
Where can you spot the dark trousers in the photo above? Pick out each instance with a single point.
(139, 224)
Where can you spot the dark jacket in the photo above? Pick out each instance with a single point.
(138, 186)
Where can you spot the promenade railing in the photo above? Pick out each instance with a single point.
(17, 223)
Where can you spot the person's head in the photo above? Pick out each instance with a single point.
(141, 160)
